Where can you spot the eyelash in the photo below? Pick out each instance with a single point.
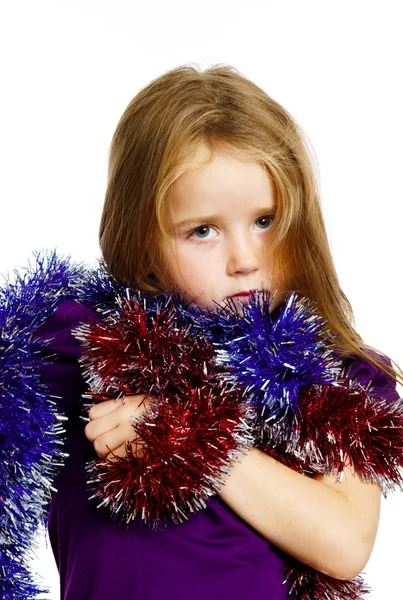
(270, 217)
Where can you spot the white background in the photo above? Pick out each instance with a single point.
(69, 69)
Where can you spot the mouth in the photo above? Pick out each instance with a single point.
(243, 296)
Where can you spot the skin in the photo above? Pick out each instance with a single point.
(327, 524)
(210, 259)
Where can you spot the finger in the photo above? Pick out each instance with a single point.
(116, 414)
(136, 448)
(102, 425)
(120, 451)
(108, 442)
(115, 439)
(105, 407)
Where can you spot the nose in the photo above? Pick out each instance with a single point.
(243, 255)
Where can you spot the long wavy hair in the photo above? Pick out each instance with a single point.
(158, 138)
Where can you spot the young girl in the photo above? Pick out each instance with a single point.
(211, 189)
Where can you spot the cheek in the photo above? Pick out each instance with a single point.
(197, 272)
(190, 268)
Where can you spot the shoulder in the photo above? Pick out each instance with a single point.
(57, 329)
(366, 373)
(58, 362)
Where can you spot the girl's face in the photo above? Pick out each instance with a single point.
(222, 213)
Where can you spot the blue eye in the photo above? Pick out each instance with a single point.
(202, 229)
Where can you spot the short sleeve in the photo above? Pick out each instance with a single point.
(62, 375)
(365, 372)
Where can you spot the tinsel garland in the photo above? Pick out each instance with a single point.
(277, 385)
(31, 431)
(306, 411)
(303, 399)
(31, 427)
(161, 350)
(191, 434)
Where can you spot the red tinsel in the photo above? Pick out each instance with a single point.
(311, 584)
(335, 423)
(193, 430)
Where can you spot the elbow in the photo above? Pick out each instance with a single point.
(352, 551)
(350, 562)
(345, 572)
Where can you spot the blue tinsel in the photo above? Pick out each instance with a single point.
(31, 430)
(271, 360)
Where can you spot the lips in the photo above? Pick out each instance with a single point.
(243, 296)
(245, 293)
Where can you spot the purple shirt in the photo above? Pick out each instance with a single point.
(214, 554)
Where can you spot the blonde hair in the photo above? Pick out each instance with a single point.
(157, 139)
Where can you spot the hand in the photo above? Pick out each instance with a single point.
(110, 426)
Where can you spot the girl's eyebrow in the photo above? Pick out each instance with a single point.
(216, 217)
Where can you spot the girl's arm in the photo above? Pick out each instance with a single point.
(328, 525)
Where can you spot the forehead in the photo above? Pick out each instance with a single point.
(226, 181)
